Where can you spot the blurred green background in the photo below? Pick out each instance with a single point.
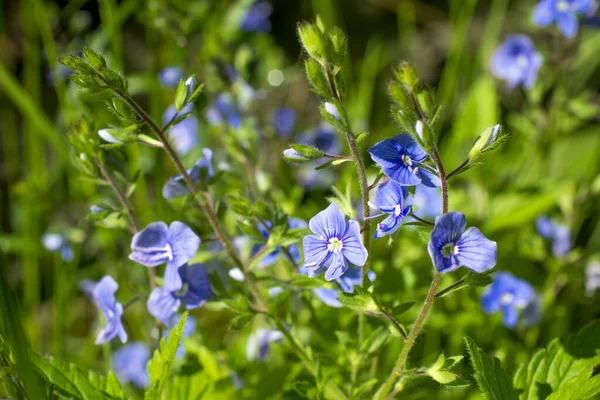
(550, 166)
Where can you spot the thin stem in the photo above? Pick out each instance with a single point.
(458, 169)
(429, 300)
(421, 220)
(395, 323)
(378, 182)
(334, 157)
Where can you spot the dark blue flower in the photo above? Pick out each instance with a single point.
(176, 187)
(390, 198)
(257, 18)
(195, 291)
(224, 111)
(450, 248)
(401, 159)
(158, 244)
(516, 62)
(513, 297)
(335, 243)
(259, 343)
(284, 119)
(103, 294)
(559, 234)
(273, 256)
(346, 282)
(169, 77)
(428, 201)
(129, 364)
(185, 133)
(188, 330)
(57, 243)
(562, 12)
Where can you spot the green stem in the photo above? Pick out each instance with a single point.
(388, 386)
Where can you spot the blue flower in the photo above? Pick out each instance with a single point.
(401, 160)
(129, 364)
(390, 199)
(188, 330)
(158, 244)
(176, 187)
(195, 291)
(335, 243)
(450, 248)
(513, 297)
(57, 243)
(560, 235)
(562, 12)
(347, 282)
(273, 256)
(224, 111)
(103, 294)
(516, 62)
(428, 201)
(185, 133)
(284, 119)
(169, 77)
(259, 343)
(257, 18)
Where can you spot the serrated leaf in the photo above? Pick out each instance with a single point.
(304, 282)
(581, 387)
(491, 378)
(458, 383)
(360, 300)
(160, 365)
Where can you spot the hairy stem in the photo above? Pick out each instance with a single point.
(388, 386)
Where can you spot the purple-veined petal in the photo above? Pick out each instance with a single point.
(352, 248)
(315, 251)
(410, 147)
(389, 195)
(329, 222)
(328, 296)
(475, 251)
(338, 266)
(174, 188)
(150, 245)
(162, 305)
(172, 279)
(428, 178)
(388, 226)
(386, 153)
(448, 228)
(199, 290)
(184, 243)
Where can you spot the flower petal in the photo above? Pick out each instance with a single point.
(184, 243)
(389, 195)
(544, 13)
(510, 316)
(315, 251)
(428, 178)
(410, 147)
(567, 24)
(386, 153)
(475, 251)
(448, 228)
(338, 266)
(172, 279)
(328, 296)
(162, 305)
(388, 226)
(329, 222)
(352, 248)
(149, 245)
(199, 289)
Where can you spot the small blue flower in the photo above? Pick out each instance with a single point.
(257, 18)
(158, 244)
(516, 62)
(188, 330)
(428, 201)
(185, 133)
(259, 343)
(390, 198)
(513, 297)
(103, 294)
(57, 243)
(560, 235)
(273, 256)
(346, 282)
(195, 291)
(224, 111)
(401, 159)
(129, 364)
(284, 119)
(562, 12)
(335, 243)
(176, 187)
(450, 248)
(169, 77)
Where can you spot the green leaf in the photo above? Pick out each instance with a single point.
(180, 95)
(304, 282)
(375, 340)
(491, 378)
(478, 280)
(95, 60)
(551, 368)
(162, 360)
(317, 78)
(443, 377)
(402, 308)
(240, 321)
(309, 152)
(361, 300)
(581, 387)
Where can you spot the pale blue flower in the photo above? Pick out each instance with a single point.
(103, 294)
(257, 18)
(259, 343)
(391, 199)
(559, 234)
(562, 12)
(129, 364)
(169, 77)
(185, 133)
(511, 296)
(516, 62)
(57, 243)
(203, 169)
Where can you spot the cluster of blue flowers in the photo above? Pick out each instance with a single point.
(516, 61)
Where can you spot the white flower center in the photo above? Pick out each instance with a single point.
(507, 298)
(335, 245)
(407, 160)
(563, 6)
(397, 210)
(522, 61)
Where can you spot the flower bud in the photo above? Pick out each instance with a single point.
(485, 140)
(313, 41)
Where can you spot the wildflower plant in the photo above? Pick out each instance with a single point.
(315, 290)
